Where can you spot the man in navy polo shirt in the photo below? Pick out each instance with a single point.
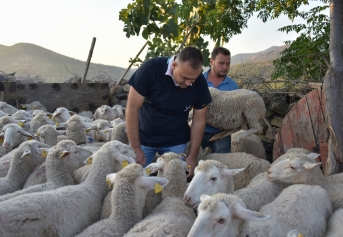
(217, 77)
(161, 95)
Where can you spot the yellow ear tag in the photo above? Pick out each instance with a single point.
(57, 124)
(21, 124)
(300, 235)
(106, 131)
(124, 164)
(158, 188)
(148, 171)
(87, 130)
(109, 183)
(44, 154)
(1, 140)
(38, 134)
(89, 161)
(188, 166)
(29, 138)
(23, 106)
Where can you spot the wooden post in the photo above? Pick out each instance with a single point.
(89, 60)
(113, 87)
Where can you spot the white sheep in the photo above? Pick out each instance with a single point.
(306, 208)
(171, 217)
(252, 165)
(210, 177)
(61, 161)
(6, 108)
(13, 135)
(303, 169)
(5, 162)
(260, 191)
(22, 115)
(97, 126)
(34, 105)
(80, 174)
(130, 189)
(223, 215)
(39, 120)
(235, 110)
(23, 162)
(88, 114)
(61, 115)
(76, 129)
(40, 173)
(106, 112)
(250, 144)
(49, 135)
(120, 109)
(65, 211)
(7, 120)
(119, 133)
(114, 122)
(335, 224)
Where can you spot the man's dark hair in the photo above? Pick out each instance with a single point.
(191, 55)
(219, 50)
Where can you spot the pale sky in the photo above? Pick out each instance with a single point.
(68, 26)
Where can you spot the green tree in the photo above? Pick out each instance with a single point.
(170, 25)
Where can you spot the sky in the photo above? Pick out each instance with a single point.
(67, 27)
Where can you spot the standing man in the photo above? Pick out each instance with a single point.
(217, 77)
(161, 94)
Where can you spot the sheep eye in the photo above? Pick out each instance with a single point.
(221, 221)
(292, 167)
(213, 179)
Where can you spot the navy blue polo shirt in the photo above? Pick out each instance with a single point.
(164, 112)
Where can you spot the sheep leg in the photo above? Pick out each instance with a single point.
(223, 134)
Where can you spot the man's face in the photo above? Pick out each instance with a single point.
(221, 65)
(184, 74)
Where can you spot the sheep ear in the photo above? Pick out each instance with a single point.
(231, 172)
(64, 154)
(71, 113)
(249, 215)
(110, 178)
(309, 166)
(313, 156)
(204, 197)
(154, 167)
(49, 115)
(25, 133)
(122, 158)
(43, 151)
(60, 132)
(26, 153)
(151, 181)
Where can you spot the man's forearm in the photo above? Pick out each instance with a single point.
(132, 128)
(197, 132)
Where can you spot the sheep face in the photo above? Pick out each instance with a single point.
(222, 215)
(106, 112)
(75, 156)
(13, 135)
(6, 108)
(293, 170)
(61, 115)
(208, 179)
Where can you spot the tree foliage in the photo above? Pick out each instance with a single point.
(170, 25)
(307, 56)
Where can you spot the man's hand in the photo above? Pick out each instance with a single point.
(192, 162)
(140, 157)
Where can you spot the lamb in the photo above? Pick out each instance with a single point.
(76, 130)
(39, 120)
(260, 191)
(13, 135)
(80, 174)
(252, 165)
(61, 162)
(98, 125)
(49, 135)
(106, 112)
(303, 169)
(6, 108)
(40, 174)
(335, 224)
(130, 189)
(22, 115)
(171, 217)
(87, 114)
(23, 162)
(119, 133)
(65, 211)
(114, 122)
(33, 106)
(223, 215)
(210, 177)
(5, 162)
(7, 120)
(243, 108)
(306, 208)
(61, 115)
(251, 144)
(120, 110)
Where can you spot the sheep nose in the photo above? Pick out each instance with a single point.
(186, 200)
(269, 172)
(7, 145)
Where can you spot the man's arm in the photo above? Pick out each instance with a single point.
(134, 102)
(197, 132)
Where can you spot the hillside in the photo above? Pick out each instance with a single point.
(32, 60)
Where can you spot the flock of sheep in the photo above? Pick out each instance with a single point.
(67, 174)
